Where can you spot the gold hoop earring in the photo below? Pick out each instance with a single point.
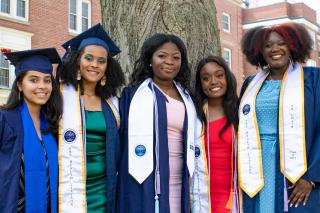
(78, 75)
(103, 81)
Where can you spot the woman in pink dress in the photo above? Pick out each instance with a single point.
(218, 104)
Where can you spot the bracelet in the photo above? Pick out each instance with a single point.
(312, 184)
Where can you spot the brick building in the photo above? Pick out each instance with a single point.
(26, 24)
(281, 13)
(229, 16)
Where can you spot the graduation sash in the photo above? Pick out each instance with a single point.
(293, 162)
(72, 170)
(200, 185)
(72, 153)
(36, 170)
(141, 123)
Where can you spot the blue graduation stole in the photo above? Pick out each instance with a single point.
(35, 165)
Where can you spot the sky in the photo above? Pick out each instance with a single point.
(314, 4)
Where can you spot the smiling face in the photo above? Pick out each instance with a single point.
(36, 88)
(276, 52)
(166, 62)
(213, 80)
(93, 64)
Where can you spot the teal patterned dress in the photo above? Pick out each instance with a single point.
(267, 117)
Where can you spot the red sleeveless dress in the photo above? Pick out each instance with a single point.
(220, 157)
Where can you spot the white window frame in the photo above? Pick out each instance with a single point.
(9, 70)
(229, 22)
(79, 16)
(229, 52)
(13, 11)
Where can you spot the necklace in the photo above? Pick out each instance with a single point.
(89, 95)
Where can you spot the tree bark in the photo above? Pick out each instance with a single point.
(130, 22)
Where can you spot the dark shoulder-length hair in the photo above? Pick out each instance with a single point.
(294, 35)
(230, 100)
(67, 73)
(52, 108)
(142, 69)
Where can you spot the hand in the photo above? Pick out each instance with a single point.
(301, 192)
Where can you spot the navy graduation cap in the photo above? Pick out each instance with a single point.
(96, 35)
(40, 60)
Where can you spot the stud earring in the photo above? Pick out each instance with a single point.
(103, 81)
(78, 75)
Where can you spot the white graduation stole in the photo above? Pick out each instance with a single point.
(193, 127)
(200, 185)
(140, 131)
(72, 172)
(291, 131)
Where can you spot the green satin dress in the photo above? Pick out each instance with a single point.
(96, 161)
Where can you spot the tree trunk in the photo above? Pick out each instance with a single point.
(130, 22)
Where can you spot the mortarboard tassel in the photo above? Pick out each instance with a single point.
(156, 206)
(285, 200)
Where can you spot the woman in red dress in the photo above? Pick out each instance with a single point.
(218, 105)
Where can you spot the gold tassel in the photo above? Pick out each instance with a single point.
(230, 200)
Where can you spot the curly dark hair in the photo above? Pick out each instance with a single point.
(52, 109)
(67, 73)
(230, 101)
(142, 69)
(294, 35)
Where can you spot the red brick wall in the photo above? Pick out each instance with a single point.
(48, 21)
(232, 40)
(264, 13)
(302, 10)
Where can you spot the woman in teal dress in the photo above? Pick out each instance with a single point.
(267, 108)
(89, 146)
(279, 128)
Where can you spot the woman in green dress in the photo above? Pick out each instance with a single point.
(89, 146)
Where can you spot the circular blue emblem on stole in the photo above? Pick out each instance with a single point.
(246, 109)
(197, 151)
(140, 150)
(69, 136)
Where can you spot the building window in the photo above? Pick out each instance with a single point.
(227, 56)
(17, 9)
(226, 22)
(4, 71)
(79, 15)
(85, 16)
(5, 6)
(21, 8)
